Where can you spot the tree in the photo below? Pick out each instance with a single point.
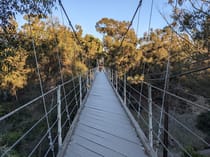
(93, 47)
(203, 122)
(13, 69)
(57, 50)
(121, 57)
(193, 19)
(9, 9)
(192, 152)
(158, 46)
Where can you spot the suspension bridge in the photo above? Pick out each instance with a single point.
(100, 113)
(101, 116)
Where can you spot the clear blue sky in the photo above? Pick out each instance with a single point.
(87, 12)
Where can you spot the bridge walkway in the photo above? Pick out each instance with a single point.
(103, 128)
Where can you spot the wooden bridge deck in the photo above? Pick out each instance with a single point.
(103, 128)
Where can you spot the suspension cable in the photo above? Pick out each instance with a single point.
(176, 31)
(150, 20)
(138, 20)
(60, 68)
(70, 23)
(130, 24)
(62, 8)
(41, 88)
(144, 63)
(191, 71)
(163, 105)
(141, 90)
(180, 98)
(171, 116)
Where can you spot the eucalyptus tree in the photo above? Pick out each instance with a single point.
(121, 54)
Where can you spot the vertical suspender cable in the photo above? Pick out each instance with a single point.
(131, 22)
(42, 91)
(141, 90)
(150, 19)
(138, 20)
(75, 36)
(165, 107)
(144, 64)
(60, 70)
(163, 97)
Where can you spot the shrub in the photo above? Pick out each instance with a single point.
(192, 152)
(203, 122)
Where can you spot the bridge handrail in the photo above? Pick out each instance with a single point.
(178, 97)
(147, 143)
(171, 116)
(83, 86)
(39, 97)
(118, 83)
(26, 105)
(28, 131)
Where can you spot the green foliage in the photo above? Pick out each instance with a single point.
(93, 47)
(80, 67)
(12, 153)
(5, 107)
(9, 8)
(199, 82)
(192, 152)
(155, 49)
(10, 137)
(193, 18)
(54, 43)
(203, 122)
(13, 71)
(121, 57)
(135, 79)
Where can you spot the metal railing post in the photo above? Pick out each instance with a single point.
(87, 81)
(150, 115)
(112, 75)
(116, 81)
(59, 117)
(140, 97)
(124, 89)
(80, 90)
(90, 76)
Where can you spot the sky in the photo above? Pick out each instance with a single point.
(87, 12)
